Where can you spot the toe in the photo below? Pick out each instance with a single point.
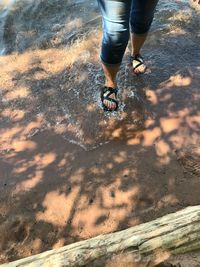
(140, 69)
(106, 103)
(109, 104)
(113, 106)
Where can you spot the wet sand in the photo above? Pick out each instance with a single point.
(69, 171)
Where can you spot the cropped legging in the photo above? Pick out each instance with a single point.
(120, 17)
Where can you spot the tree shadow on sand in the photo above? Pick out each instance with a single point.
(69, 171)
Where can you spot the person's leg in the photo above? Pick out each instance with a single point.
(142, 13)
(110, 73)
(137, 42)
(115, 17)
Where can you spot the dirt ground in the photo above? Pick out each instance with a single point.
(68, 171)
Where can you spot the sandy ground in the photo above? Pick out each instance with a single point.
(68, 170)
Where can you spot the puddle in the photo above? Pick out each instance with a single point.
(68, 99)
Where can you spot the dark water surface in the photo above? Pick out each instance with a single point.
(30, 24)
(68, 99)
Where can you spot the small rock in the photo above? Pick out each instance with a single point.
(112, 194)
(91, 201)
(56, 27)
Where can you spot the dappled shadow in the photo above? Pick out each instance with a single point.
(45, 24)
(69, 171)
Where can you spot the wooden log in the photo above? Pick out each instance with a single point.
(172, 234)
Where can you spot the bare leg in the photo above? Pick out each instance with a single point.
(137, 42)
(110, 73)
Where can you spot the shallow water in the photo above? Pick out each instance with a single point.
(67, 98)
(30, 24)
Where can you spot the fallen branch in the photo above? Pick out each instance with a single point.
(172, 234)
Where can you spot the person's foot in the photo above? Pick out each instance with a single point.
(138, 64)
(109, 98)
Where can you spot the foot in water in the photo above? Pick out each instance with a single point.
(138, 64)
(109, 98)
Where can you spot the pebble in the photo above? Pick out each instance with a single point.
(112, 194)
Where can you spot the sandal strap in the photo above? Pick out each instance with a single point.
(111, 100)
(139, 59)
(109, 91)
